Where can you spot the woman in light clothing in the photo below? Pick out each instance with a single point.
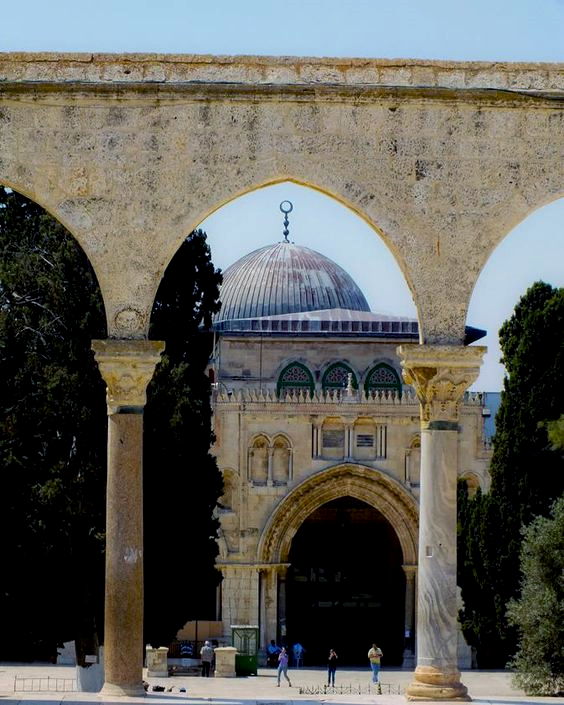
(283, 666)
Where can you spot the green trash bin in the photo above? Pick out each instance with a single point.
(245, 637)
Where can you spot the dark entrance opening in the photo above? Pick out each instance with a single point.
(345, 587)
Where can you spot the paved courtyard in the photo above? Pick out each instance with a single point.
(484, 687)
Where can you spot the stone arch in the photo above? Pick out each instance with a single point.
(375, 488)
(473, 482)
(56, 213)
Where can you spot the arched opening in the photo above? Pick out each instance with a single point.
(345, 587)
(532, 251)
(317, 221)
(53, 425)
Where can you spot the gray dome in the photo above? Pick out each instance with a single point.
(286, 278)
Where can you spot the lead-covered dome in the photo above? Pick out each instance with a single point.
(286, 278)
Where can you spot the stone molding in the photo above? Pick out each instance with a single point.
(190, 69)
(344, 480)
(127, 367)
(440, 375)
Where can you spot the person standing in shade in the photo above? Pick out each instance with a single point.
(283, 666)
(374, 656)
(331, 667)
(206, 656)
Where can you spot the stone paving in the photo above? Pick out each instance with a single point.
(484, 687)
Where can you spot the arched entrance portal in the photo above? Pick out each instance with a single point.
(345, 586)
(379, 520)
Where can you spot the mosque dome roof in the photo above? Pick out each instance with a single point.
(286, 278)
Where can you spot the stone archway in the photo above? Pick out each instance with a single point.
(345, 480)
(389, 510)
(446, 157)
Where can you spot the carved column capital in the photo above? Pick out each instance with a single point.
(440, 375)
(127, 367)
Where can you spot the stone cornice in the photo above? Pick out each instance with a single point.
(180, 68)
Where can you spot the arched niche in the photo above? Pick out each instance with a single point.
(258, 459)
(373, 487)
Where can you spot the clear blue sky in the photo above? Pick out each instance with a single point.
(521, 30)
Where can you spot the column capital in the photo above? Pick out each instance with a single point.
(440, 375)
(409, 570)
(127, 367)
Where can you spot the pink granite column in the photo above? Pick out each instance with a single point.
(440, 376)
(127, 367)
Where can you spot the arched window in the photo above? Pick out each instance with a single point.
(336, 376)
(258, 461)
(295, 377)
(382, 378)
(281, 461)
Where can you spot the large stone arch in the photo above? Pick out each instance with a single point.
(343, 480)
(131, 153)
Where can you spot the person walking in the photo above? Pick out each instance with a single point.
(374, 656)
(206, 656)
(331, 667)
(283, 666)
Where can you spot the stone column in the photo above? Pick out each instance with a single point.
(440, 376)
(127, 367)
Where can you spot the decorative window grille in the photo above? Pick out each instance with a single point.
(382, 377)
(336, 376)
(295, 377)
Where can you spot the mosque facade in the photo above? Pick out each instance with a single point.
(318, 440)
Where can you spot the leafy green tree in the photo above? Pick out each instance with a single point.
(527, 474)
(538, 614)
(182, 482)
(52, 437)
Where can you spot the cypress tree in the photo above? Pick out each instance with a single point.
(527, 476)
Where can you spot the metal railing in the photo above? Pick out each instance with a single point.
(44, 684)
(351, 689)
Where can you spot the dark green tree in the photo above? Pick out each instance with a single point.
(538, 614)
(182, 482)
(527, 475)
(52, 437)
(53, 431)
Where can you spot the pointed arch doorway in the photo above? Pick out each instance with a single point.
(347, 534)
(345, 586)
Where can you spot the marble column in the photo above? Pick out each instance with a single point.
(440, 376)
(127, 367)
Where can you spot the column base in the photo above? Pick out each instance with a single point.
(432, 684)
(111, 690)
